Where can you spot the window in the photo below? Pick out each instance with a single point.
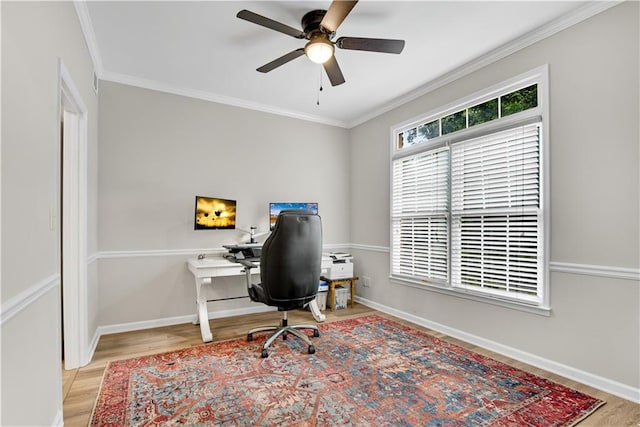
(420, 213)
(467, 205)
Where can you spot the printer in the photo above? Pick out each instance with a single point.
(341, 266)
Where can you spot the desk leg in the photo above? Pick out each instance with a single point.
(331, 298)
(203, 315)
(353, 291)
(315, 311)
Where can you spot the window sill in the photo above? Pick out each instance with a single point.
(461, 293)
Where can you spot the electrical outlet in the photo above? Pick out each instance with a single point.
(366, 281)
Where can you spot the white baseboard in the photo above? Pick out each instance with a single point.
(58, 420)
(92, 347)
(610, 386)
(178, 320)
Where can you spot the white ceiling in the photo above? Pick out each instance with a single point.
(201, 49)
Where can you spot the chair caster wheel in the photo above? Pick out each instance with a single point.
(312, 349)
(249, 337)
(316, 333)
(265, 354)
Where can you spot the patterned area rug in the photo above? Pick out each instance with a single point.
(367, 371)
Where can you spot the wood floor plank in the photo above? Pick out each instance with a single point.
(81, 388)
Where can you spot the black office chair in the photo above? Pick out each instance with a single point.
(289, 272)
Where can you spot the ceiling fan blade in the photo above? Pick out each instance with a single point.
(281, 61)
(270, 23)
(333, 71)
(336, 13)
(371, 45)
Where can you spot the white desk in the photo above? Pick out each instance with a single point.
(218, 267)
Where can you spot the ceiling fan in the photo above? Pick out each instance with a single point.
(319, 27)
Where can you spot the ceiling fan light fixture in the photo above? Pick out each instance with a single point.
(319, 50)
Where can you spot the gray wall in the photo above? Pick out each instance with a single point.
(594, 325)
(34, 37)
(158, 151)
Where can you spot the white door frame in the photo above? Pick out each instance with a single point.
(74, 221)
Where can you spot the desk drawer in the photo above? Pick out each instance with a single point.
(234, 271)
(231, 270)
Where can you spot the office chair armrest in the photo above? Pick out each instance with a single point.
(248, 264)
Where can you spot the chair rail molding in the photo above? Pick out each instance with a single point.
(187, 251)
(611, 272)
(370, 248)
(596, 270)
(24, 299)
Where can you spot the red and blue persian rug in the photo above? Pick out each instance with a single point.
(368, 371)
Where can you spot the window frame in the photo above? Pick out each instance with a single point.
(539, 76)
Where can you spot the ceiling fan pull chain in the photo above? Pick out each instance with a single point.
(318, 101)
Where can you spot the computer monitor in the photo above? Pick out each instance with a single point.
(276, 207)
(214, 214)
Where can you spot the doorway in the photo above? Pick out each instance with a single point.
(73, 227)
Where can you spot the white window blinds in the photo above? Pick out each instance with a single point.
(495, 214)
(468, 216)
(469, 201)
(420, 208)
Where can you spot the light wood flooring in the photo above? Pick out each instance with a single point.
(80, 386)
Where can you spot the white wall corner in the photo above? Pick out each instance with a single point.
(58, 420)
(89, 36)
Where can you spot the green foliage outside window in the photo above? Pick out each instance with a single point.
(484, 112)
(519, 100)
(510, 103)
(454, 122)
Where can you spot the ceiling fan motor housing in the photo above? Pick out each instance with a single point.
(311, 24)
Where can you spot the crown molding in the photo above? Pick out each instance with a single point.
(540, 33)
(89, 36)
(212, 97)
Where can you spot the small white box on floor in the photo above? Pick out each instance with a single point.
(321, 300)
(342, 297)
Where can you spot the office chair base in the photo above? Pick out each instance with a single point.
(284, 330)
